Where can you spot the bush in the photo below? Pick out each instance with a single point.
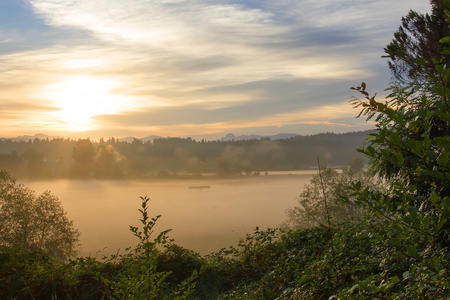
(35, 221)
(336, 189)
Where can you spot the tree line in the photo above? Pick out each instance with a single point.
(171, 157)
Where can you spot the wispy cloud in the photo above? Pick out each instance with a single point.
(340, 117)
(185, 63)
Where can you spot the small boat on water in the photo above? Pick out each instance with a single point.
(199, 187)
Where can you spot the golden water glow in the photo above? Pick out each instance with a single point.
(82, 97)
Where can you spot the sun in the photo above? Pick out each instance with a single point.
(83, 97)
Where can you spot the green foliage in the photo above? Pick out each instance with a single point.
(410, 149)
(342, 208)
(143, 272)
(182, 263)
(139, 278)
(372, 262)
(411, 143)
(369, 262)
(28, 220)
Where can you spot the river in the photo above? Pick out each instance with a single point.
(202, 219)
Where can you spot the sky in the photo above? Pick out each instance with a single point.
(115, 68)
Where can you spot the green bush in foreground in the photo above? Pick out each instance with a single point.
(365, 260)
(144, 272)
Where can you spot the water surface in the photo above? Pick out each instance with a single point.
(201, 219)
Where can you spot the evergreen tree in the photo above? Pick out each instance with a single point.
(416, 47)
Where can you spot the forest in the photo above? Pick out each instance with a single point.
(174, 157)
(381, 233)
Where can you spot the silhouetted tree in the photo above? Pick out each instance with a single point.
(108, 162)
(416, 49)
(34, 162)
(11, 162)
(83, 155)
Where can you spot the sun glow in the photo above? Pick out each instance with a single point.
(80, 98)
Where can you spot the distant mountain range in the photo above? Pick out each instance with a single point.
(26, 138)
(231, 137)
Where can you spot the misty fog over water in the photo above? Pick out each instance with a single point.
(202, 219)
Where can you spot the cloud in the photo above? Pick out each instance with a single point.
(19, 107)
(206, 63)
(259, 41)
(265, 98)
(339, 117)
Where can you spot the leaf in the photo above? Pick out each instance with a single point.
(411, 250)
(445, 40)
(447, 4)
(395, 280)
(353, 288)
(406, 275)
(441, 224)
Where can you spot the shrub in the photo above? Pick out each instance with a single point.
(336, 189)
(28, 220)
